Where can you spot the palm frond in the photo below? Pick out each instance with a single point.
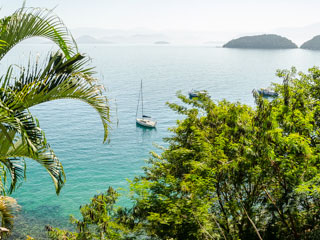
(21, 137)
(22, 123)
(35, 22)
(63, 76)
(15, 167)
(12, 157)
(60, 78)
(3, 180)
(2, 44)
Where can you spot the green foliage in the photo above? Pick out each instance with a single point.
(98, 220)
(35, 22)
(64, 75)
(234, 172)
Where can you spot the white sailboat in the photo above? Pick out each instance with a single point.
(145, 121)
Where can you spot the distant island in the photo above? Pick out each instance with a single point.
(161, 42)
(312, 44)
(265, 41)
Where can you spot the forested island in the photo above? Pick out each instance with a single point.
(265, 41)
(312, 44)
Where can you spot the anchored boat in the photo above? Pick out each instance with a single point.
(196, 93)
(267, 92)
(145, 121)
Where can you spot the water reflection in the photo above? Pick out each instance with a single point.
(144, 134)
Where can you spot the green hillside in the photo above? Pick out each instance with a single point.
(266, 41)
(312, 44)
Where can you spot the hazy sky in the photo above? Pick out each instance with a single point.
(208, 15)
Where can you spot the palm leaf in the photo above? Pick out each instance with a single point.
(34, 22)
(12, 153)
(45, 156)
(20, 134)
(63, 76)
(21, 122)
(60, 78)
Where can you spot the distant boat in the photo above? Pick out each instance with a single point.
(196, 93)
(267, 92)
(145, 121)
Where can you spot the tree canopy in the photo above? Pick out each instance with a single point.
(231, 171)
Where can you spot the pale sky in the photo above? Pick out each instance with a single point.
(201, 15)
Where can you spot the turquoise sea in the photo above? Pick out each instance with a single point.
(75, 133)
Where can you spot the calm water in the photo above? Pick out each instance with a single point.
(74, 130)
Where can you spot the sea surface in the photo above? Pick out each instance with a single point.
(75, 132)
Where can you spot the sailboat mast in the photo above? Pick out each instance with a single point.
(138, 104)
(141, 97)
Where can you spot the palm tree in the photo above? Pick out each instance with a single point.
(64, 75)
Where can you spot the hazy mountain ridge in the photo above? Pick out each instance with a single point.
(145, 36)
(136, 36)
(91, 40)
(161, 42)
(298, 35)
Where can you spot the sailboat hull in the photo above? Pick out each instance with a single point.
(146, 122)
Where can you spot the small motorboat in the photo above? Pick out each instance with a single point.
(267, 92)
(196, 93)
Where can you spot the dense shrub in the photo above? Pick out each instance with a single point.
(230, 172)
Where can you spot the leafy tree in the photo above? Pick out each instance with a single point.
(235, 172)
(99, 220)
(64, 75)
